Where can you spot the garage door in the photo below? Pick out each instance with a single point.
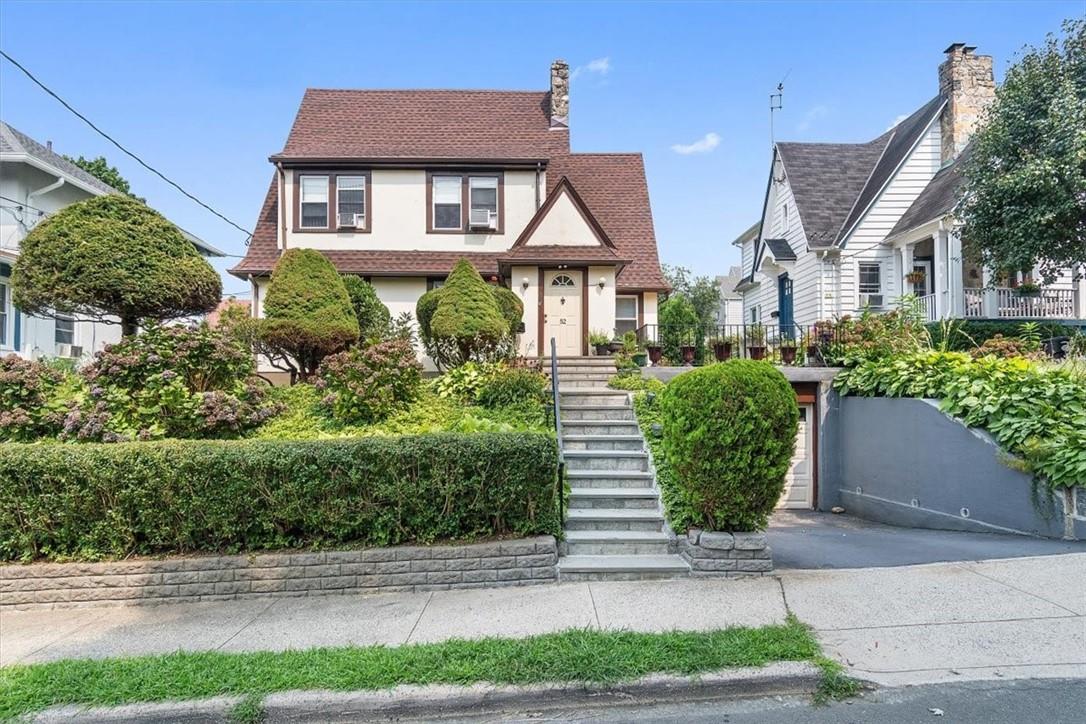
(799, 484)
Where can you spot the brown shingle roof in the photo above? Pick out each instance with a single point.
(456, 124)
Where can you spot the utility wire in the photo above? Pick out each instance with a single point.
(140, 161)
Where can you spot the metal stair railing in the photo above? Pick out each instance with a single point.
(557, 412)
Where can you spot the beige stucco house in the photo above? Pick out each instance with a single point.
(397, 185)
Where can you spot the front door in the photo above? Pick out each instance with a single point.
(785, 315)
(799, 483)
(562, 312)
(923, 287)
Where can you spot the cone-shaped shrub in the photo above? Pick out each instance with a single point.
(372, 315)
(729, 435)
(113, 256)
(463, 320)
(307, 311)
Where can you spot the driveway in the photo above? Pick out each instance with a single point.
(813, 540)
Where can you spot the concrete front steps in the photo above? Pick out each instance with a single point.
(614, 528)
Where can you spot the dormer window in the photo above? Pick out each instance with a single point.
(314, 202)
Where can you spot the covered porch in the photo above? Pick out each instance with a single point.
(946, 285)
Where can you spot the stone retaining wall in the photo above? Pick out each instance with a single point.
(729, 555)
(214, 578)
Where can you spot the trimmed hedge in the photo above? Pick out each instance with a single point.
(729, 433)
(94, 501)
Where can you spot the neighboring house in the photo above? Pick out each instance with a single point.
(730, 310)
(846, 226)
(397, 185)
(36, 182)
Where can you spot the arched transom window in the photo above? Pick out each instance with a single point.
(562, 280)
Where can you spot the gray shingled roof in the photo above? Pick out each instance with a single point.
(834, 183)
(16, 142)
(936, 200)
(781, 249)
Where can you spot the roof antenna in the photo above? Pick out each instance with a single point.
(776, 103)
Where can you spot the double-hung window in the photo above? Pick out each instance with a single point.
(448, 211)
(314, 202)
(3, 312)
(483, 198)
(351, 201)
(870, 277)
(65, 329)
(625, 315)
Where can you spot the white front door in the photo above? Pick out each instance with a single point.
(799, 483)
(562, 312)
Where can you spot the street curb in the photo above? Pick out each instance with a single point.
(784, 678)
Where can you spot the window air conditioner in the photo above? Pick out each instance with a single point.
(352, 221)
(483, 219)
(69, 350)
(871, 300)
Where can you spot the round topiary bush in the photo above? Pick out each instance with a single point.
(307, 311)
(467, 319)
(729, 434)
(112, 256)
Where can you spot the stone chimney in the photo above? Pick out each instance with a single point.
(559, 94)
(966, 81)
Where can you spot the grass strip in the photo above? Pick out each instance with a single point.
(578, 655)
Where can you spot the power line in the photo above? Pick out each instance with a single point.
(109, 138)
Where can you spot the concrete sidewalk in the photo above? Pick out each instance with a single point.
(1019, 618)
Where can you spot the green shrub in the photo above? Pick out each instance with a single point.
(31, 405)
(964, 335)
(678, 510)
(307, 311)
(635, 381)
(114, 256)
(369, 384)
(464, 382)
(468, 320)
(679, 326)
(870, 336)
(106, 501)
(372, 315)
(513, 386)
(730, 431)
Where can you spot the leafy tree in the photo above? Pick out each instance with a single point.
(373, 316)
(101, 170)
(307, 312)
(113, 257)
(702, 292)
(679, 325)
(1025, 194)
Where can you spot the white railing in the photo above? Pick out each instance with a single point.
(1049, 304)
(974, 302)
(926, 307)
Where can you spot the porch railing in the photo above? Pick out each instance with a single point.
(556, 410)
(1050, 303)
(974, 302)
(925, 305)
(794, 344)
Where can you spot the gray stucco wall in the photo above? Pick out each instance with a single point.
(904, 462)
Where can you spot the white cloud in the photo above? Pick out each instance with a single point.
(812, 115)
(599, 66)
(897, 120)
(705, 144)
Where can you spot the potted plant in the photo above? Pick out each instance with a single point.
(756, 341)
(788, 351)
(915, 277)
(1027, 289)
(810, 346)
(600, 341)
(616, 346)
(722, 348)
(656, 353)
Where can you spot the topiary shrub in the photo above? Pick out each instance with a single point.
(307, 311)
(512, 386)
(369, 384)
(112, 257)
(373, 316)
(464, 319)
(729, 434)
(512, 309)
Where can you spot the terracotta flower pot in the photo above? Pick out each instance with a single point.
(656, 353)
(722, 351)
(756, 352)
(788, 355)
(688, 354)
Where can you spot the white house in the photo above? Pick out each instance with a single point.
(36, 182)
(730, 309)
(847, 226)
(396, 186)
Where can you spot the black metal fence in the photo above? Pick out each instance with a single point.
(813, 345)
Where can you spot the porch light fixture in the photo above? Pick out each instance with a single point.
(524, 283)
(601, 282)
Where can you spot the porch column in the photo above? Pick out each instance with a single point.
(955, 288)
(1080, 294)
(939, 270)
(990, 303)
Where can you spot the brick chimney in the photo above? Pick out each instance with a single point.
(559, 94)
(966, 81)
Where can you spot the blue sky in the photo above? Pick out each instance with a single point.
(207, 91)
